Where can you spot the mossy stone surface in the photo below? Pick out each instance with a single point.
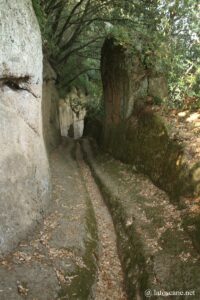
(145, 143)
(155, 251)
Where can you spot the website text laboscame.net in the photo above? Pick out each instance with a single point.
(149, 293)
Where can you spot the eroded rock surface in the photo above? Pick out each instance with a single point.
(127, 81)
(72, 114)
(140, 137)
(132, 131)
(24, 173)
(155, 250)
(50, 111)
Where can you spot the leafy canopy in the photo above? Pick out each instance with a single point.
(166, 31)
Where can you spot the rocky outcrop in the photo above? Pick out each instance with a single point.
(24, 172)
(65, 117)
(50, 111)
(132, 132)
(72, 114)
(155, 251)
(127, 81)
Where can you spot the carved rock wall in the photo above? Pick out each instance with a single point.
(24, 172)
(50, 108)
(72, 114)
(132, 132)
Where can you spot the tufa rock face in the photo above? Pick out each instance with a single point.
(72, 114)
(50, 111)
(19, 33)
(158, 87)
(116, 73)
(132, 132)
(24, 172)
(127, 83)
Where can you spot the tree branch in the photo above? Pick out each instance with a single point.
(66, 56)
(60, 35)
(77, 75)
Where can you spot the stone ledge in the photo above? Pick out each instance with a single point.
(156, 252)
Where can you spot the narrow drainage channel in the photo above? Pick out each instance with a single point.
(110, 284)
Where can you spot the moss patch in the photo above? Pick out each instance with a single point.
(144, 142)
(83, 278)
(155, 251)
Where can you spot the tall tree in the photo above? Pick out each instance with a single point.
(73, 33)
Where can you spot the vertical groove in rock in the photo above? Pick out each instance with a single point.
(109, 284)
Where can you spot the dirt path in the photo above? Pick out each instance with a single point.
(57, 260)
(110, 276)
(156, 252)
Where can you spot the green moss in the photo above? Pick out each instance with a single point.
(84, 278)
(172, 242)
(152, 214)
(191, 223)
(139, 261)
(144, 142)
(128, 242)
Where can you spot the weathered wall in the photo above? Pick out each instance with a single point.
(120, 92)
(24, 173)
(72, 114)
(50, 111)
(132, 132)
(127, 82)
(65, 117)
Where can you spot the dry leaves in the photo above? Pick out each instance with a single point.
(22, 289)
(110, 276)
(185, 126)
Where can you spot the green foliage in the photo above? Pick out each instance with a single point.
(180, 24)
(165, 32)
(157, 100)
(122, 36)
(95, 108)
(39, 13)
